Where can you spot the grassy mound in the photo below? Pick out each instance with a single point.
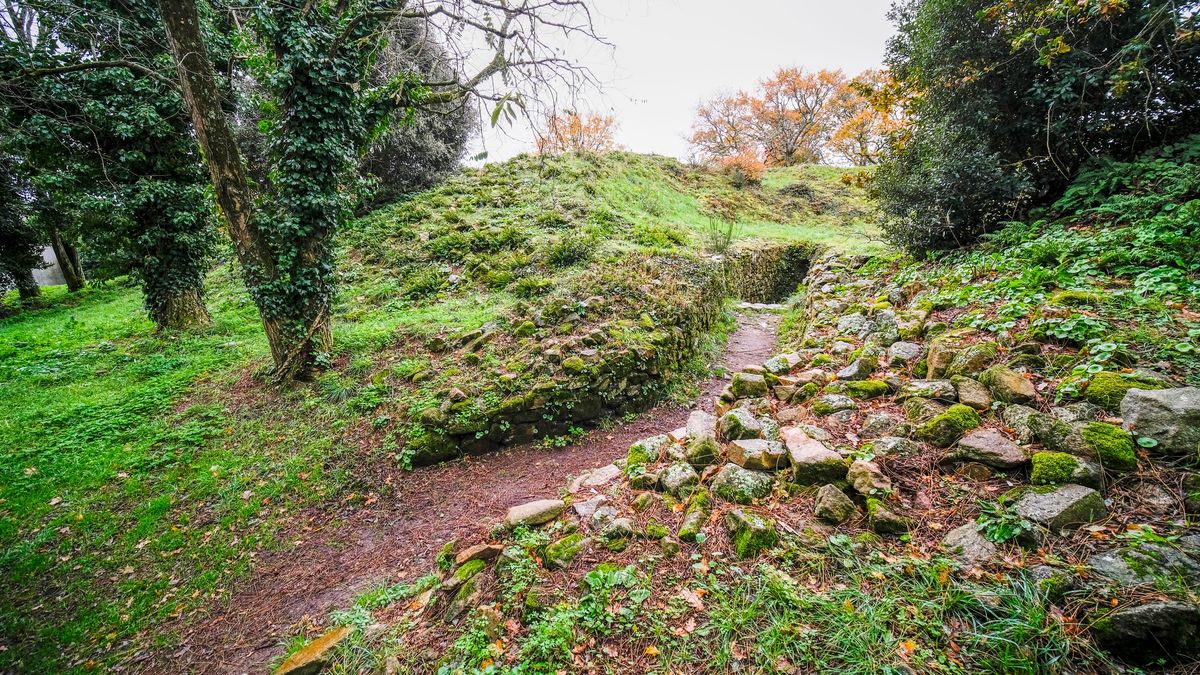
(141, 472)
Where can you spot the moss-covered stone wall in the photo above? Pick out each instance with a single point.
(611, 377)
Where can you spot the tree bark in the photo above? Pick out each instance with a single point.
(68, 260)
(293, 351)
(182, 311)
(27, 288)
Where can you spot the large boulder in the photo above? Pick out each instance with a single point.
(1148, 632)
(812, 462)
(990, 447)
(1169, 416)
(1066, 506)
(741, 486)
(758, 454)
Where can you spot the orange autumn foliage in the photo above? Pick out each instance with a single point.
(797, 116)
(573, 132)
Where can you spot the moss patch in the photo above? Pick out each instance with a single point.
(1111, 444)
(1053, 468)
(1106, 389)
(945, 429)
(866, 389)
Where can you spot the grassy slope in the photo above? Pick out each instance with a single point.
(1105, 281)
(140, 472)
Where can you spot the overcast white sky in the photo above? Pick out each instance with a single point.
(668, 55)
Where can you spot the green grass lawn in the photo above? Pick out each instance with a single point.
(140, 472)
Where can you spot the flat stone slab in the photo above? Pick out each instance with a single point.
(1069, 505)
(595, 478)
(758, 454)
(478, 552)
(534, 513)
(314, 657)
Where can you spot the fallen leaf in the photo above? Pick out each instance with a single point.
(690, 597)
(651, 651)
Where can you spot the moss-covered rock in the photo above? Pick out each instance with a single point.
(656, 530)
(944, 349)
(832, 505)
(748, 385)
(696, 515)
(1107, 389)
(750, 533)
(702, 451)
(945, 429)
(922, 409)
(574, 365)
(973, 359)
(1075, 298)
(1007, 385)
(866, 389)
(1110, 444)
(832, 403)
(739, 424)
(562, 552)
(1060, 468)
(884, 520)
(646, 451)
(741, 486)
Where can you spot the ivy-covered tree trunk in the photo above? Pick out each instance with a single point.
(68, 260)
(287, 277)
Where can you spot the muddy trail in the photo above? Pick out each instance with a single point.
(397, 537)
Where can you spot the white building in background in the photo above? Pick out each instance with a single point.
(51, 275)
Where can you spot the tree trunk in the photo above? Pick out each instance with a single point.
(68, 260)
(181, 311)
(27, 288)
(292, 350)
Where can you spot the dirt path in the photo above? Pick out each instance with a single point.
(398, 537)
